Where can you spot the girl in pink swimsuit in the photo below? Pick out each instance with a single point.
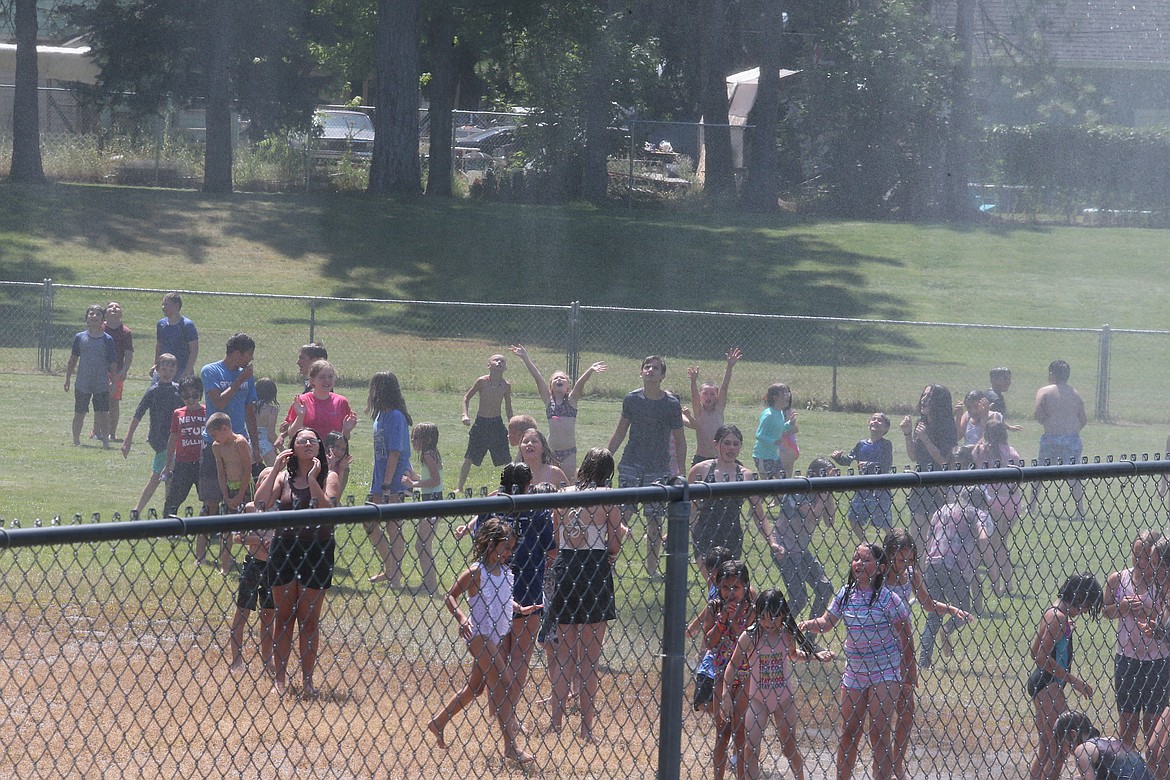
(761, 660)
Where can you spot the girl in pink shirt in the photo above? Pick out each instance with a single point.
(321, 409)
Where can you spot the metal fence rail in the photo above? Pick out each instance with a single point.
(833, 363)
(114, 647)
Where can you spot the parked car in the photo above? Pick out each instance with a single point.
(337, 134)
(494, 143)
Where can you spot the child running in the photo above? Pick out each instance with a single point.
(1052, 650)
(725, 618)
(560, 406)
(488, 585)
(758, 681)
(879, 659)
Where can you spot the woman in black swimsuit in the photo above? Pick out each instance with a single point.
(300, 561)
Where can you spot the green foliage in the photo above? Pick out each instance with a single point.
(1072, 166)
(876, 105)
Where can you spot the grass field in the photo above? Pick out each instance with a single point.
(121, 641)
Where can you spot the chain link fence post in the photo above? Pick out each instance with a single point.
(573, 343)
(1103, 374)
(834, 403)
(674, 618)
(312, 321)
(45, 330)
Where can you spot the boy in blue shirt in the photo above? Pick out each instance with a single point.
(94, 358)
(874, 455)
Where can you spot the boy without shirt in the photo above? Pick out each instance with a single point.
(653, 419)
(708, 403)
(1061, 410)
(488, 432)
(233, 461)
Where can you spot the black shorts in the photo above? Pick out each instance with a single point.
(81, 401)
(488, 434)
(209, 479)
(307, 560)
(1141, 686)
(254, 588)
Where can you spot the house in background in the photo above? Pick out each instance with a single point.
(1120, 47)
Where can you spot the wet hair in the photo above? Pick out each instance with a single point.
(879, 555)
(1148, 538)
(240, 342)
(385, 395)
(189, 383)
(819, 467)
(175, 298)
(717, 556)
(883, 417)
(167, 357)
(1160, 552)
(546, 454)
(543, 487)
(1073, 727)
(217, 421)
(294, 464)
(962, 457)
(723, 430)
(661, 361)
(515, 479)
(999, 372)
(772, 602)
(995, 431)
(733, 568)
(98, 308)
(596, 468)
(940, 420)
(1083, 592)
(489, 532)
(317, 366)
(334, 438)
(1060, 370)
(315, 351)
(973, 496)
(519, 423)
(265, 390)
(973, 396)
(427, 436)
(898, 539)
(774, 392)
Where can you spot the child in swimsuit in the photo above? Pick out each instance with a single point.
(1097, 757)
(488, 585)
(1052, 650)
(762, 659)
(725, 619)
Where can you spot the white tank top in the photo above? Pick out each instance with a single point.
(491, 608)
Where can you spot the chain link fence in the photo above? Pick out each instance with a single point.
(831, 363)
(117, 647)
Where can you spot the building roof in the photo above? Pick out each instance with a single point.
(1076, 33)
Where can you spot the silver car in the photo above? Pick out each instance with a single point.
(338, 134)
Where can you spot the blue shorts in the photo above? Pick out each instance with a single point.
(159, 462)
(872, 507)
(1061, 448)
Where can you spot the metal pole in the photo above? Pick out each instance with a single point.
(573, 342)
(312, 320)
(678, 517)
(44, 332)
(1103, 374)
(834, 405)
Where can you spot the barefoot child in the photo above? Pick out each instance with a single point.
(725, 619)
(488, 432)
(488, 585)
(560, 398)
(160, 401)
(1052, 650)
(254, 592)
(774, 424)
(758, 681)
(707, 404)
(428, 480)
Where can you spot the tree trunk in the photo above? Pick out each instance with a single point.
(217, 165)
(595, 176)
(395, 169)
(712, 21)
(441, 38)
(26, 123)
(761, 189)
(960, 132)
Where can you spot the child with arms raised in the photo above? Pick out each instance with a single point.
(560, 398)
